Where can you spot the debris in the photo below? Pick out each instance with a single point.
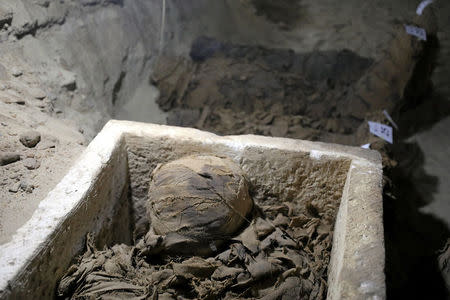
(31, 163)
(13, 100)
(6, 18)
(280, 127)
(7, 158)
(14, 188)
(69, 82)
(46, 144)
(26, 187)
(16, 72)
(30, 138)
(37, 93)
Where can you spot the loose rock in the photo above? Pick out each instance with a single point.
(16, 72)
(26, 187)
(31, 163)
(14, 188)
(37, 93)
(30, 138)
(6, 18)
(46, 144)
(8, 158)
(70, 83)
(13, 100)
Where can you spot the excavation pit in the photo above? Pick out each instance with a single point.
(105, 193)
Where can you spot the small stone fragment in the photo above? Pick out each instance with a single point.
(6, 18)
(14, 188)
(299, 132)
(16, 72)
(332, 125)
(70, 83)
(37, 93)
(30, 138)
(27, 187)
(46, 144)
(13, 100)
(280, 128)
(7, 158)
(31, 163)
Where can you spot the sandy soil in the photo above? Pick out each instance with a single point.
(25, 105)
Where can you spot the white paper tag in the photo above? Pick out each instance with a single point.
(418, 32)
(422, 6)
(366, 146)
(386, 114)
(382, 131)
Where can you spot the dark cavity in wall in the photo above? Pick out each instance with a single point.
(286, 12)
(118, 87)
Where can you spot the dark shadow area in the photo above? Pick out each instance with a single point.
(412, 238)
(286, 12)
(422, 106)
(424, 115)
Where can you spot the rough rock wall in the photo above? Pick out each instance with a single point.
(90, 56)
(93, 56)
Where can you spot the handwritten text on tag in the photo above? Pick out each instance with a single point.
(382, 131)
(418, 32)
(422, 6)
